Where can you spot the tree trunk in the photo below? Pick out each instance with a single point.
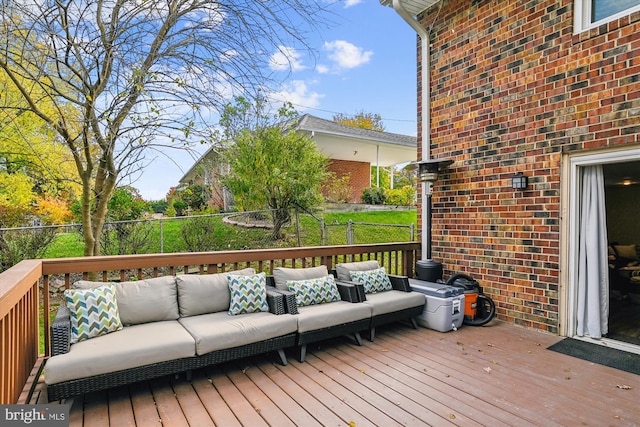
(281, 217)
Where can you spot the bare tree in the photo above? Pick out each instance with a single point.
(131, 76)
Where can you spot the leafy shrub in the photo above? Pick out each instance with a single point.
(405, 196)
(17, 245)
(180, 207)
(159, 206)
(374, 196)
(124, 238)
(203, 234)
(338, 190)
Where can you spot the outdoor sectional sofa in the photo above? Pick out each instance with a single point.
(374, 306)
(172, 324)
(175, 324)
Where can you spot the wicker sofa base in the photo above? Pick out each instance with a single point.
(409, 314)
(216, 357)
(66, 389)
(351, 328)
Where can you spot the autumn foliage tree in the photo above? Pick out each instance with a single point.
(124, 78)
(361, 120)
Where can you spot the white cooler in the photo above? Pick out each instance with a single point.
(444, 309)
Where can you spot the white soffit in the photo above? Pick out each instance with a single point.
(414, 7)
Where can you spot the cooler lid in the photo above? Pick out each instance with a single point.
(439, 290)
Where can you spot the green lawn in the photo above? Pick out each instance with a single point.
(230, 237)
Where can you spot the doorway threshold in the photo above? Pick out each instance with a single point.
(607, 342)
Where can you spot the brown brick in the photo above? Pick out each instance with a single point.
(512, 89)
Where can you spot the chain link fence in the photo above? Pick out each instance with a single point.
(236, 231)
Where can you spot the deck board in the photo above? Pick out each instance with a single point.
(406, 377)
(120, 407)
(213, 402)
(144, 407)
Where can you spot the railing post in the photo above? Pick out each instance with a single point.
(323, 233)
(161, 237)
(350, 232)
(411, 232)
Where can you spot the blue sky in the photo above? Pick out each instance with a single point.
(366, 61)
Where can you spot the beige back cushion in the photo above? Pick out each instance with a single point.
(205, 293)
(143, 301)
(282, 275)
(343, 269)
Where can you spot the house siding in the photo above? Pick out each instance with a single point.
(512, 89)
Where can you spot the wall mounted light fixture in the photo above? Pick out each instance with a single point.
(519, 181)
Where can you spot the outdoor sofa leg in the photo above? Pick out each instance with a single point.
(414, 323)
(302, 352)
(283, 357)
(356, 335)
(189, 374)
(372, 333)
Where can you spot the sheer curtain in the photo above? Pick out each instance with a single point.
(593, 274)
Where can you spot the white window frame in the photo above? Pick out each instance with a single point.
(582, 16)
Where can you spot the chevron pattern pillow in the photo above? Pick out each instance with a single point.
(248, 293)
(94, 312)
(372, 280)
(314, 291)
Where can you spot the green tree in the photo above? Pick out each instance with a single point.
(123, 78)
(126, 204)
(271, 166)
(195, 196)
(159, 206)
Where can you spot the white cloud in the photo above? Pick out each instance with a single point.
(347, 55)
(298, 94)
(322, 69)
(286, 57)
(350, 3)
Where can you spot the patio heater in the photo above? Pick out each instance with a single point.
(427, 269)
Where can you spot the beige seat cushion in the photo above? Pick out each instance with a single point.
(216, 331)
(281, 275)
(143, 301)
(343, 269)
(205, 293)
(392, 301)
(132, 346)
(329, 314)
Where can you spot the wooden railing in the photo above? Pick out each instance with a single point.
(19, 332)
(20, 302)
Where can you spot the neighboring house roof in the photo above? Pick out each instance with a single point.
(342, 142)
(192, 173)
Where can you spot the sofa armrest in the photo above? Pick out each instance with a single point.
(61, 332)
(350, 291)
(399, 283)
(288, 299)
(276, 301)
(271, 281)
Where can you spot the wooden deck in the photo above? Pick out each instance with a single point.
(497, 375)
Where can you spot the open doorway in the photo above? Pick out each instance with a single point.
(617, 291)
(622, 194)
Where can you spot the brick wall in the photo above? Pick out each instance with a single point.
(513, 89)
(359, 172)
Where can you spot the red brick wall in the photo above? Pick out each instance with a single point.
(513, 89)
(359, 172)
